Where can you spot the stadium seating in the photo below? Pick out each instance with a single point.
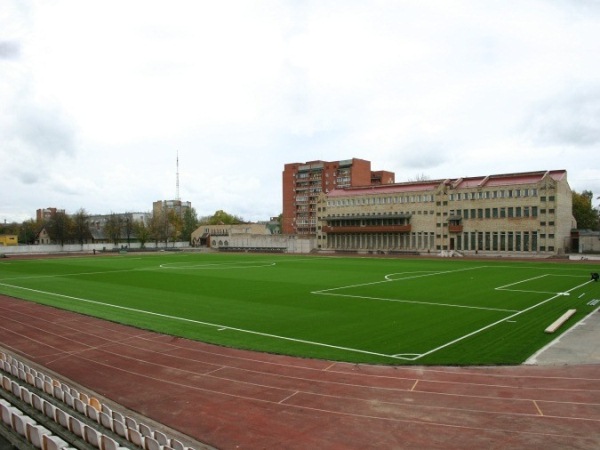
(49, 415)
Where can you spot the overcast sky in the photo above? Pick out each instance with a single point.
(97, 97)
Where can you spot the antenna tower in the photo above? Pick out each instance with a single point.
(177, 182)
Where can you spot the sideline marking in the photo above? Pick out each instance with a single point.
(210, 324)
(211, 266)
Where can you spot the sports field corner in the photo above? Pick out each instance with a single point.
(230, 398)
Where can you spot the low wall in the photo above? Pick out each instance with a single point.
(85, 248)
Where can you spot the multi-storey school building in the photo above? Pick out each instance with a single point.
(518, 213)
(304, 182)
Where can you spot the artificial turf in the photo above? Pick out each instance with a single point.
(356, 309)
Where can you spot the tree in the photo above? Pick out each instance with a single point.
(60, 228)
(142, 232)
(81, 226)
(420, 177)
(158, 227)
(128, 226)
(27, 232)
(220, 217)
(190, 223)
(112, 228)
(583, 211)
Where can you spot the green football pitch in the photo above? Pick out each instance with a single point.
(370, 310)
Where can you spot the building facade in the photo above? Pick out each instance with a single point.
(303, 183)
(164, 206)
(497, 214)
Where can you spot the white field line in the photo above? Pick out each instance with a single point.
(448, 305)
(421, 275)
(215, 266)
(500, 321)
(500, 288)
(209, 324)
(36, 277)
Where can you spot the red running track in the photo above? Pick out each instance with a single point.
(233, 399)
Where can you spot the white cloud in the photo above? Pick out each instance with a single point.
(101, 95)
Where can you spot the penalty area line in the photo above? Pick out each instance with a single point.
(220, 327)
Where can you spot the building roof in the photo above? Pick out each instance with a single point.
(510, 179)
(386, 188)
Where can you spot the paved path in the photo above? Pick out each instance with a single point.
(233, 399)
(579, 345)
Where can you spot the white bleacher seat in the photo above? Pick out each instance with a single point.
(62, 418)
(92, 413)
(30, 378)
(39, 382)
(51, 442)
(48, 387)
(76, 426)
(131, 423)
(6, 383)
(19, 423)
(144, 429)
(161, 437)
(106, 409)
(176, 444)
(79, 406)
(121, 429)
(26, 395)
(37, 402)
(69, 400)
(58, 393)
(35, 434)
(15, 388)
(105, 420)
(108, 443)
(136, 438)
(116, 415)
(50, 410)
(92, 436)
(7, 411)
(151, 444)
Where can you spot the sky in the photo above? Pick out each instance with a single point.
(98, 99)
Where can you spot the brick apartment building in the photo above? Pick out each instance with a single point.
(45, 214)
(501, 214)
(304, 182)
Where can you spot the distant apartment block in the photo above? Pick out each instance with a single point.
(164, 206)
(45, 214)
(516, 213)
(303, 183)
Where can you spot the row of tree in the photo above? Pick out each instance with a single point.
(165, 226)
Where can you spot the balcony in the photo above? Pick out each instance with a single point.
(368, 229)
(455, 228)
